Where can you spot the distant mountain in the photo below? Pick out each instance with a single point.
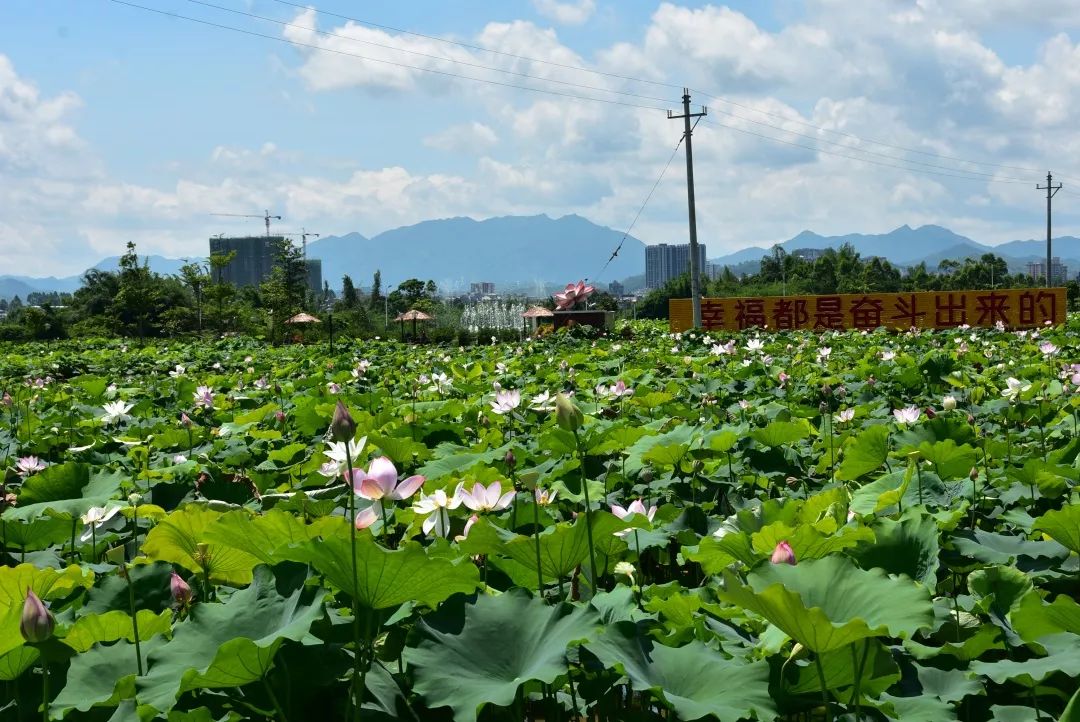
(524, 251)
(907, 246)
(11, 286)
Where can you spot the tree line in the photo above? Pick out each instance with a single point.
(844, 270)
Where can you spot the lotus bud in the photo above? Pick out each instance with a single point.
(202, 554)
(6, 400)
(646, 475)
(181, 591)
(342, 427)
(783, 554)
(841, 392)
(974, 474)
(823, 407)
(185, 421)
(826, 390)
(510, 460)
(280, 416)
(971, 420)
(37, 623)
(134, 498)
(930, 413)
(948, 403)
(567, 415)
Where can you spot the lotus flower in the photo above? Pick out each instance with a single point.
(340, 454)
(468, 525)
(29, 464)
(506, 401)
(380, 481)
(573, 294)
(178, 371)
(635, 507)
(115, 411)
(489, 498)
(1013, 388)
(907, 415)
(948, 403)
(845, 416)
(437, 507)
(181, 591)
(95, 518)
(545, 497)
(783, 554)
(204, 396)
(1048, 349)
(36, 623)
(755, 344)
(541, 402)
(625, 569)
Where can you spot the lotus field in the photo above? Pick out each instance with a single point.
(788, 526)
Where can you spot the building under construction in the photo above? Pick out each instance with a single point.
(254, 260)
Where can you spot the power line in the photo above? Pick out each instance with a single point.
(442, 58)
(658, 83)
(863, 160)
(446, 73)
(480, 48)
(641, 208)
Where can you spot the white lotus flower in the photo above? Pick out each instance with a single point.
(437, 507)
(96, 517)
(115, 411)
(1013, 388)
(907, 415)
(340, 454)
(506, 401)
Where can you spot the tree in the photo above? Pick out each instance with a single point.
(349, 298)
(196, 277)
(376, 290)
(133, 305)
(221, 291)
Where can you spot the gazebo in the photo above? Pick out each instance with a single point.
(537, 312)
(413, 315)
(302, 318)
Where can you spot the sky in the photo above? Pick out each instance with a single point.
(118, 123)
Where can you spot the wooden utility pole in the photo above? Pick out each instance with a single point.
(695, 282)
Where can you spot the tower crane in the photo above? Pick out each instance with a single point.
(265, 216)
(303, 235)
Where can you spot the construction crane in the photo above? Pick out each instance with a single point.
(265, 216)
(303, 235)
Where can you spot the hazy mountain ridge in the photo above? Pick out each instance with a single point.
(532, 253)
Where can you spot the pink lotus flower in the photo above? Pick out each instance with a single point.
(545, 497)
(204, 396)
(380, 481)
(635, 507)
(36, 623)
(572, 295)
(468, 525)
(783, 554)
(29, 464)
(489, 498)
(181, 591)
(506, 401)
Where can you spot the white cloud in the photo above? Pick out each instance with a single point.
(473, 138)
(566, 13)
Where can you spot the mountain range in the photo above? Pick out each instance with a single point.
(534, 253)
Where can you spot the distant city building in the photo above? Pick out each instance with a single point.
(616, 289)
(664, 262)
(808, 254)
(314, 274)
(482, 288)
(255, 258)
(1059, 272)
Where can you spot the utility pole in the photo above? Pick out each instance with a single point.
(695, 283)
(1051, 191)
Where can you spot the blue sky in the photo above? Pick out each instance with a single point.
(117, 123)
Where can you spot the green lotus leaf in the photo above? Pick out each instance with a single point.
(781, 433)
(102, 676)
(176, 539)
(1062, 525)
(1032, 618)
(48, 584)
(879, 670)
(950, 461)
(866, 453)
(464, 661)
(908, 546)
(991, 548)
(233, 643)
(826, 604)
(388, 578)
(267, 537)
(565, 546)
(807, 542)
(64, 489)
(90, 629)
(694, 680)
(1062, 656)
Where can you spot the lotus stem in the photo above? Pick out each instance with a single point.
(278, 711)
(134, 616)
(536, 537)
(824, 686)
(45, 691)
(588, 511)
(356, 694)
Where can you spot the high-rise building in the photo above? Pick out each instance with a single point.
(616, 289)
(254, 259)
(481, 288)
(1059, 272)
(664, 262)
(314, 274)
